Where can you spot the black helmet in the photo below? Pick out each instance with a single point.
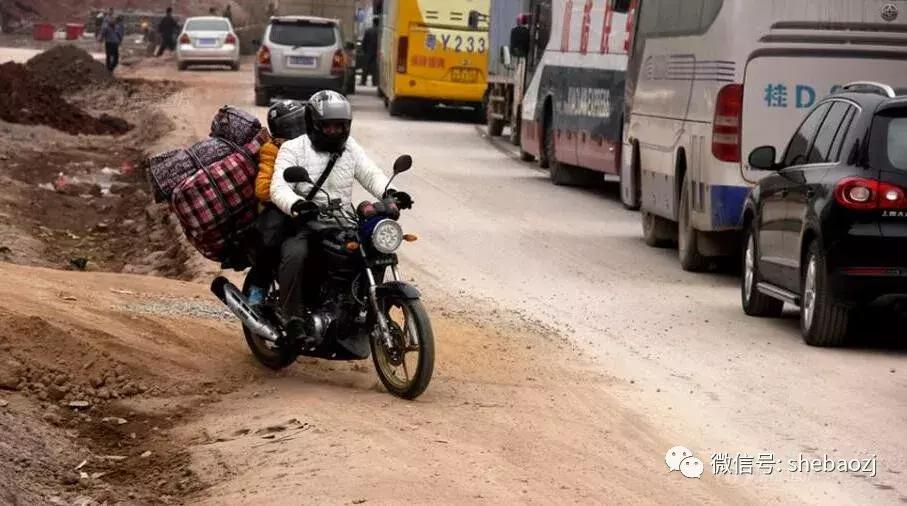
(328, 107)
(286, 119)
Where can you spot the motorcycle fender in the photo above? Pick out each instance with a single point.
(399, 289)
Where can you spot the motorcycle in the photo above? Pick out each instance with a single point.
(359, 313)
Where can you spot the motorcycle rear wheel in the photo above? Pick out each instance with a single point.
(411, 330)
(270, 355)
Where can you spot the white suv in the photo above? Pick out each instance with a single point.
(300, 55)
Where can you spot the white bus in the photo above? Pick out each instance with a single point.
(710, 80)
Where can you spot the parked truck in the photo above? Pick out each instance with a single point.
(506, 72)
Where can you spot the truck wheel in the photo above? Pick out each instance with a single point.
(823, 319)
(687, 245)
(656, 230)
(495, 125)
(515, 128)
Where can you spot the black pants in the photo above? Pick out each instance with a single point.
(370, 68)
(113, 55)
(166, 43)
(295, 266)
(272, 226)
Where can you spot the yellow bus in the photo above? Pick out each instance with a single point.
(433, 51)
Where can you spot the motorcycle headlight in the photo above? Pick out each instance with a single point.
(387, 236)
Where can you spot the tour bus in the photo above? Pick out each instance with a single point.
(572, 110)
(433, 51)
(710, 80)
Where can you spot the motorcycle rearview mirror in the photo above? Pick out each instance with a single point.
(297, 175)
(403, 164)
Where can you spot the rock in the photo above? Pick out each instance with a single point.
(70, 479)
(4, 403)
(56, 392)
(97, 381)
(146, 454)
(118, 188)
(115, 420)
(79, 404)
(10, 374)
(104, 393)
(102, 227)
(52, 418)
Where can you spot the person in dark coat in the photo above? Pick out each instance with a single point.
(112, 34)
(228, 13)
(370, 41)
(167, 28)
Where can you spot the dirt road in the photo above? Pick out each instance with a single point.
(571, 357)
(682, 356)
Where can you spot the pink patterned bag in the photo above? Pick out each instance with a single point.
(216, 206)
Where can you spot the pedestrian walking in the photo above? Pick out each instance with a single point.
(113, 34)
(370, 42)
(167, 29)
(228, 13)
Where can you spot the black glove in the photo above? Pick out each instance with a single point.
(404, 201)
(303, 208)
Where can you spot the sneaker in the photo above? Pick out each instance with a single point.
(256, 296)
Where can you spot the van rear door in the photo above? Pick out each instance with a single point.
(809, 52)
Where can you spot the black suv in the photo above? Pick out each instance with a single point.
(827, 231)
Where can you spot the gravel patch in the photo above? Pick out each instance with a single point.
(191, 308)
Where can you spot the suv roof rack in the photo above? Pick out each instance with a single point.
(880, 88)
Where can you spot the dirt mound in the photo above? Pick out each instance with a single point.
(24, 99)
(67, 68)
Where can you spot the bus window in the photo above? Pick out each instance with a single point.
(674, 18)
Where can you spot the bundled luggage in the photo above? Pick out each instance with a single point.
(211, 186)
(230, 129)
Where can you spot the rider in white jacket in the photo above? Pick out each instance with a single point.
(354, 164)
(328, 120)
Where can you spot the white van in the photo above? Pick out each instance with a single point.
(709, 80)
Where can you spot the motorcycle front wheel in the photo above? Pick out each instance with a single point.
(406, 367)
(267, 353)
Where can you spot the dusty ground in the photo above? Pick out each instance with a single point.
(623, 357)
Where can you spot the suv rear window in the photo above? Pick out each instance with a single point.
(889, 141)
(208, 25)
(303, 34)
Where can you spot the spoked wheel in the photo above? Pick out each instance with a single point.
(405, 368)
(269, 354)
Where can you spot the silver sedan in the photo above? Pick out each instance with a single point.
(208, 41)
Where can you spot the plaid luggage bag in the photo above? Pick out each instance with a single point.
(231, 127)
(217, 206)
(235, 125)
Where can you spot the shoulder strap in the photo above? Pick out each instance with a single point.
(324, 175)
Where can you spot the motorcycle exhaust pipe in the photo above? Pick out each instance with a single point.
(230, 295)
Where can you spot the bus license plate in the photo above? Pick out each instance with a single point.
(462, 75)
(302, 61)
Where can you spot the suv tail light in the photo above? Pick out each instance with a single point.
(231, 39)
(338, 63)
(726, 125)
(402, 54)
(264, 58)
(863, 194)
(184, 39)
